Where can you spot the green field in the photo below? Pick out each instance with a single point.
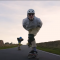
(7, 46)
(51, 50)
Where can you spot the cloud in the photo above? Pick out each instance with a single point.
(43, 9)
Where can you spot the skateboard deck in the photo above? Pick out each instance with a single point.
(32, 56)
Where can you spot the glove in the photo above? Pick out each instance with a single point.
(39, 26)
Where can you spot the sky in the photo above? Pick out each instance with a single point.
(12, 14)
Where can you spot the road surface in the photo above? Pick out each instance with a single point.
(15, 54)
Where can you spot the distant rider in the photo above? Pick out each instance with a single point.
(19, 42)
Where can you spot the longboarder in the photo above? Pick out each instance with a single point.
(19, 42)
(32, 24)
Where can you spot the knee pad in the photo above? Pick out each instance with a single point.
(30, 38)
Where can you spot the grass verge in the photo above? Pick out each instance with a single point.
(7, 46)
(51, 50)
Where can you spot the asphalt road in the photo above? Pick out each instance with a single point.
(15, 54)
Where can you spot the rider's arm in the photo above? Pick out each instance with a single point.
(39, 23)
(22, 39)
(24, 24)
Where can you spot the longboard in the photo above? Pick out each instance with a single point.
(30, 56)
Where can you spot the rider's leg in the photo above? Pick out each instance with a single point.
(18, 43)
(34, 32)
(30, 39)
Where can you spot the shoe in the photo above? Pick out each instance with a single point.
(33, 52)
